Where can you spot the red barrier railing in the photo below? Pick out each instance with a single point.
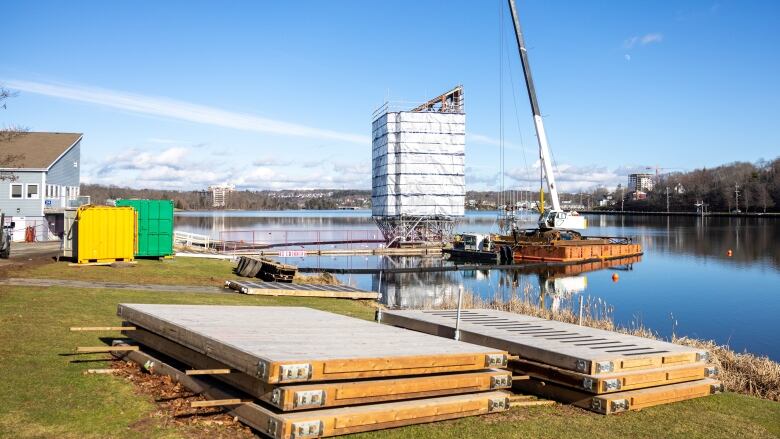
(299, 238)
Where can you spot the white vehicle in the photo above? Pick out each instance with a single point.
(475, 242)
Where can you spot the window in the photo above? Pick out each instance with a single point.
(32, 191)
(16, 190)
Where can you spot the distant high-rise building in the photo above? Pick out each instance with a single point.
(219, 194)
(640, 182)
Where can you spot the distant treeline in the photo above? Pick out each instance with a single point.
(244, 200)
(758, 185)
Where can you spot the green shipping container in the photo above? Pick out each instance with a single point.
(155, 226)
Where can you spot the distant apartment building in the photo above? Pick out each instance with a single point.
(219, 194)
(640, 182)
(39, 179)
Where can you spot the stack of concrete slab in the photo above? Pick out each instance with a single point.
(297, 372)
(603, 371)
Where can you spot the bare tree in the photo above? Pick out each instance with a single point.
(6, 134)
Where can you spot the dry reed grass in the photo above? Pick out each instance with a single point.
(316, 279)
(743, 373)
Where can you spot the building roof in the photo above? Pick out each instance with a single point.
(36, 150)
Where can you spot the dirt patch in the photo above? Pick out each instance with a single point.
(17, 263)
(173, 407)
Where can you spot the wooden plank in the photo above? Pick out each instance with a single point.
(332, 394)
(615, 382)
(621, 401)
(292, 344)
(100, 371)
(300, 290)
(582, 349)
(96, 349)
(100, 263)
(332, 421)
(207, 371)
(99, 328)
(217, 402)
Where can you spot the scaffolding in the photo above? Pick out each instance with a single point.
(418, 169)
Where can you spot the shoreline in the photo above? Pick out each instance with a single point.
(656, 213)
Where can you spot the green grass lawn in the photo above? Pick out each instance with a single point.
(181, 271)
(45, 394)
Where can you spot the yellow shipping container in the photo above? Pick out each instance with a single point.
(105, 234)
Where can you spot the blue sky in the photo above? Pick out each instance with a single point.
(280, 95)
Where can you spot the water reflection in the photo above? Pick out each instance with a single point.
(548, 286)
(752, 239)
(685, 272)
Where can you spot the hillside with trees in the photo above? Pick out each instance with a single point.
(758, 185)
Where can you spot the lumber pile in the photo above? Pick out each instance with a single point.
(602, 371)
(265, 269)
(293, 372)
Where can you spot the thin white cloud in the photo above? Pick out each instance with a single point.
(271, 161)
(654, 37)
(174, 109)
(651, 38)
(492, 141)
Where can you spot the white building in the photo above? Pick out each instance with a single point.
(219, 194)
(640, 182)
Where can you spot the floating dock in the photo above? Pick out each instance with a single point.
(565, 345)
(602, 371)
(614, 382)
(292, 344)
(294, 372)
(291, 397)
(622, 401)
(299, 290)
(327, 422)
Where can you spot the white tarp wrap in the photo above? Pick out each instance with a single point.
(399, 180)
(419, 189)
(415, 158)
(419, 168)
(418, 164)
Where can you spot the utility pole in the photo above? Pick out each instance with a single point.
(622, 196)
(736, 196)
(667, 199)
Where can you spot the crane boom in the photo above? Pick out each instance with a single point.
(556, 217)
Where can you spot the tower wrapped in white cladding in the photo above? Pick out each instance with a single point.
(419, 164)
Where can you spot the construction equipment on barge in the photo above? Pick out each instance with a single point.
(556, 238)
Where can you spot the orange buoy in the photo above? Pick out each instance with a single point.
(729, 253)
(615, 277)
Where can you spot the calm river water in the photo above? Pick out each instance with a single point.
(685, 283)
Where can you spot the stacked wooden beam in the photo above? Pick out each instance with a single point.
(603, 371)
(296, 372)
(265, 269)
